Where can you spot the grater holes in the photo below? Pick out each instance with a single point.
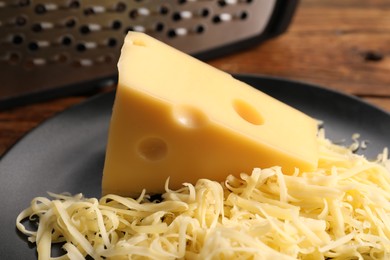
(133, 14)
(66, 40)
(176, 16)
(227, 17)
(22, 3)
(105, 59)
(120, 7)
(70, 22)
(33, 46)
(36, 62)
(135, 28)
(112, 42)
(159, 27)
(128, 29)
(13, 58)
(92, 27)
(43, 8)
(61, 58)
(89, 11)
(199, 29)
(222, 3)
(17, 39)
(116, 25)
(39, 27)
(40, 9)
(172, 33)
(217, 19)
(83, 63)
(204, 12)
(84, 29)
(243, 15)
(94, 10)
(164, 10)
(143, 12)
(139, 28)
(81, 47)
(36, 45)
(181, 31)
(36, 27)
(21, 20)
(74, 4)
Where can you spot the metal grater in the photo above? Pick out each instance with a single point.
(52, 47)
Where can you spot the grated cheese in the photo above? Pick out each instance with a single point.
(340, 211)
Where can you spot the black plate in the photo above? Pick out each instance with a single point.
(66, 153)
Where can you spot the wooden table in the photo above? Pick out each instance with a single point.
(343, 45)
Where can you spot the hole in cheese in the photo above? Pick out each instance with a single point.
(247, 112)
(138, 42)
(190, 117)
(152, 148)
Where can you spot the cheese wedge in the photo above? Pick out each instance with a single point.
(176, 117)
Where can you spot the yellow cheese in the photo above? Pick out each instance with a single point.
(177, 117)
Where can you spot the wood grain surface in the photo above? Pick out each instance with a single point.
(342, 45)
